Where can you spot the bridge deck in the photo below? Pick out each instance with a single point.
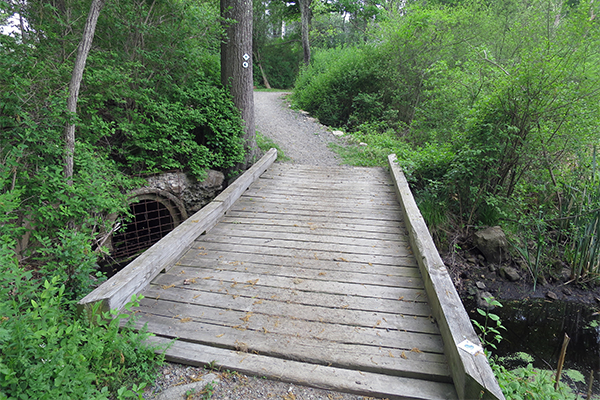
(309, 277)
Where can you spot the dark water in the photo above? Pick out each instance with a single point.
(537, 327)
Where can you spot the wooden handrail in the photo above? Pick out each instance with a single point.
(131, 280)
(472, 374)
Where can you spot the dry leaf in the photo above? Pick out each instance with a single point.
(221, 335)
(415, 350)
(251, 283)
(257, 302)
(247, 317)
(209, 277)
(403, 355)
(390, 353)
(401, 298)
(196, 296)
(322, 273)
(187, 319)
(189, 281)
(168, 287)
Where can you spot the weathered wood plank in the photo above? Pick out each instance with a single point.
(117, 291)
(321, 313)
(319, 376)
(229, 258)
(404, 308)
(310, 210)
(298, 271)
(207, 247)
(383, 248)
(311, 235)
(230, 280)
(261, 189)
(472, 374)
(250, 225)
(307, 217)
(316, 351)
(323, 204)
(421, 336)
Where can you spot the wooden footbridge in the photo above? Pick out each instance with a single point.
(322, 276)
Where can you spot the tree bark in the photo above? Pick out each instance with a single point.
(82, 52)
(236, 66)
(305, 16)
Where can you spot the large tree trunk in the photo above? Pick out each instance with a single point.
(305, 15)
(82, 52)
(236, 66)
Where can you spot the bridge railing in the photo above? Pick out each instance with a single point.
(472, 374)
(133, 278)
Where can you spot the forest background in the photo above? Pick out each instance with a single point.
(491, 107)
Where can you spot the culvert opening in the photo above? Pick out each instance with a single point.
(153, 218)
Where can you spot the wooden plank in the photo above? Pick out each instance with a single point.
(404, 307)
(316, 351)
(472, 374)
(319, 376)
(320, 313)
(310, 235)
(384, 248)
(310, 211)
(322, 204)
(250, 225)
(293, 224)
(419, 337)
(230, 280)
(207, 247)
(296, 271)
(117, 291)
(306, 218)
(264, 189)
(229, 258)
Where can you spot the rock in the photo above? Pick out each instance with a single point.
(567, 291)
(480, 285)
(510, 273)
(481, 303)
(200, 193)
(362, 144)
(472, 260)
(551, 295)
(492, 268)
(492, 243)
(337, 133)
(565, 274)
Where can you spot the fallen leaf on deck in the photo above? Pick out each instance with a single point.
(209, 277)
(196, 296)
(187, 319)
(221, 335)
(403, 355)
(168, 286)
(415, 350)
(322, 273)
(251, 283)
(189, 281)
(247, 317)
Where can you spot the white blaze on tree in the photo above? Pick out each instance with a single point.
(82, 52)
(236, 66)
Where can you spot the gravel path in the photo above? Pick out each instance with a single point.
(304, 141)
(300, 136)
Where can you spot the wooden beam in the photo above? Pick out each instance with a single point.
(118, 290)
(472, 374)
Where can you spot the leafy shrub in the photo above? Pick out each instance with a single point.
(46, 352)
(340, 86)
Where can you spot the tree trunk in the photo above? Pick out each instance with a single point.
(305, 15)
(236, 66)
(82, 52)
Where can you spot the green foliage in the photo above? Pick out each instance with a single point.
(490, 329)
(495, 129)
(265, 144)
(529, 383)
(340, 84)
(46, 352)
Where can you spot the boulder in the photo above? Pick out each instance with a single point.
(492, 243)
(481, 303)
